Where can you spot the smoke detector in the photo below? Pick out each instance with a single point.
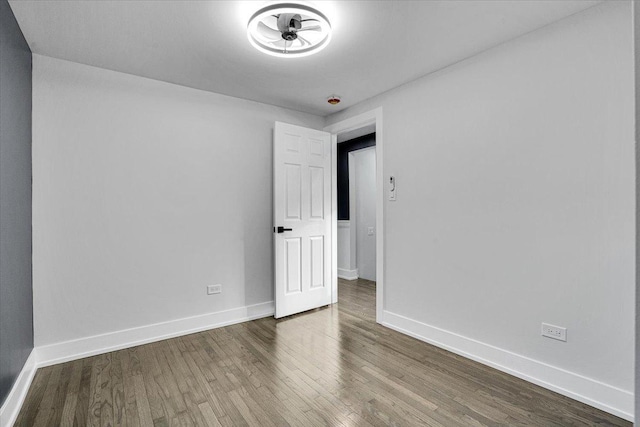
(289, 30)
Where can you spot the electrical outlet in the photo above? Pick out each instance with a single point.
(214, 289)
(555, 332)
(370, 231)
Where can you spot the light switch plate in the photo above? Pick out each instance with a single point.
(392, 188)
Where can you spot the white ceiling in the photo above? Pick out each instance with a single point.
(376, 46)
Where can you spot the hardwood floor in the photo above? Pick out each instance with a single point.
(331, 366)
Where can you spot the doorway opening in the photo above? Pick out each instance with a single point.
(356, 175)
(357, 184)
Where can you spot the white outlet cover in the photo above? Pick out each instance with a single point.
(214, 289)
(555, 332)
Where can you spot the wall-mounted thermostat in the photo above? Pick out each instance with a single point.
(392, 188)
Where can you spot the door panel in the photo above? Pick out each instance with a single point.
(302, 203)
(317, 261)
(293, 191)
(293, 267)
(317, 192)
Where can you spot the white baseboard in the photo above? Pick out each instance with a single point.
(98, 344)
(11, 407)
(586, 390)
(348, 274)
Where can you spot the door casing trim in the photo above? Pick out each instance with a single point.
(356, 122)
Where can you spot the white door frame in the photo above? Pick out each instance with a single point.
(353, 123)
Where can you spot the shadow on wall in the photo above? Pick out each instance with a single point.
(16, 297)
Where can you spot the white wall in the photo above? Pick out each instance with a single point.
(515, 175)
(144, 193)
(364, 168)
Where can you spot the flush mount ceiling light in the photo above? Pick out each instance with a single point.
(289, 30)
(333, 100)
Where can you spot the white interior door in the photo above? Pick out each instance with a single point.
(302, 215)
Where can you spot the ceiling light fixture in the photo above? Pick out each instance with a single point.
(333, 100)
(289, 30)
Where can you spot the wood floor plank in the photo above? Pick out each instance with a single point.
(330, 366)
(47, 401)
(29, 409)
(100, 407)
(82, 405)
(117, 391)
(71, 398)
(211, 420)
(212, 400)
(142, 402)
(170, 391)
(106, 394)
(131, 415)
(150, 372)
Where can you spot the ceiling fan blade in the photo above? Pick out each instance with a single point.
(268, 33)
(304, 41)
(313, 28)
(287, 21)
